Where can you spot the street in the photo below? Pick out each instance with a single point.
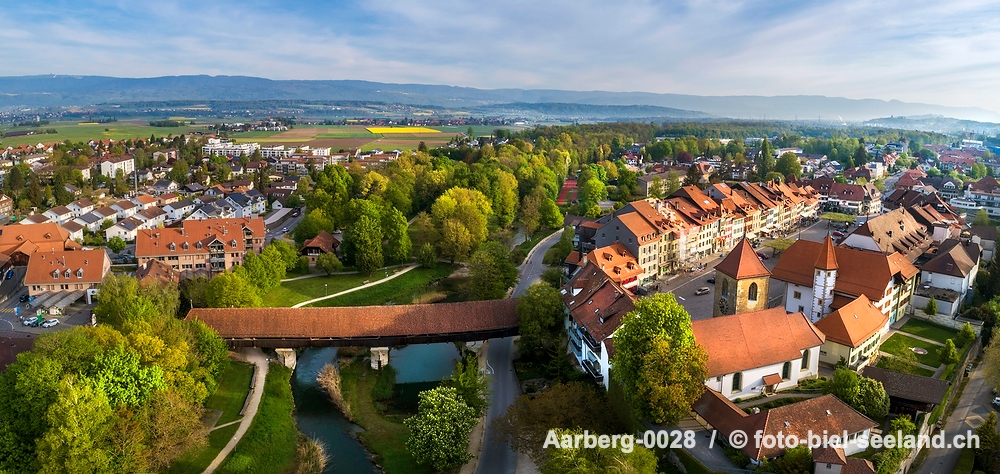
(498, 457)
(77, 314)
(274, 230)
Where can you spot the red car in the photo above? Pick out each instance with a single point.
(762, 255)
(838, 233)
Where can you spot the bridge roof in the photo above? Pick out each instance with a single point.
(359, 322)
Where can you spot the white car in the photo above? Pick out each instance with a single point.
(50, 323)
(284, 230)
(996, 402)
(703, 291)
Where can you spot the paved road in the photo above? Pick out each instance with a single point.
(497, 457)
(972, 410)
(274, 230)
(256, 357)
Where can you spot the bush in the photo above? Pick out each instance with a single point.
(385, 385)
(966, 335)
(931, 308)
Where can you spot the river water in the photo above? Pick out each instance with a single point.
(418, 367)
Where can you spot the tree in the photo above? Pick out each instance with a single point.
(491, 272)
(397, 239)
(966, 335)
(658, 363)
(765, 159)
(439, 433)
(427, 255)
(844, 385)
(467, 208)
(540, 314)
(567, 457)
(116, 244)
(456, 241)
(948, 354)
(231, 290)
(117, 374)
(121, 301)
(79, 424)
(795, 460)
(988, 452)
(329, 263)
(364, 245)
(789, 164)
(179, 172)
(263, 271)
(860, 156)
(287, 253)
(531, 216)
(554, 277)
(872, 400)
(311, 225)
(673, 183)
(931, 307)
(693, 177)
(470, 384)
(592, 192)
(982, 218)
(571, 405)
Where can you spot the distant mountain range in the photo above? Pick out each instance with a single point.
(936, 123)
(59, 90)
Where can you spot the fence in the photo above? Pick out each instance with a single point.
(947, 321)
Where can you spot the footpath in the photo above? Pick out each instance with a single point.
(356, 288)
(256, 357)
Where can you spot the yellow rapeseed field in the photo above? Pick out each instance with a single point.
(407, 130)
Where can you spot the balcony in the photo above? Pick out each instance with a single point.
(594, 369)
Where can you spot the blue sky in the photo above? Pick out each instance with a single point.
(945, 53)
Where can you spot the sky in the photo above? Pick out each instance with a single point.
(945, 53)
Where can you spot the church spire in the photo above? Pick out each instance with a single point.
(827, 259)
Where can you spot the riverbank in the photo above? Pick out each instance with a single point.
(269, 446)
(384, 435)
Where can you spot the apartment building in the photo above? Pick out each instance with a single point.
(212, 245)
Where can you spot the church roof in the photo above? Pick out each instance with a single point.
(742, 263)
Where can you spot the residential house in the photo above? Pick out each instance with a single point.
(895, 231)
(80, 207)
(820, 278)
(125, 209)
(18, 242)
(75, 230)
(90, 221)
(13, 343)
(141, 176)
(144, 201)
(249, 204)
(124, 229)
(59, 214)
(832, 460)
(617, 263)
(953, 268)
(595, 307)
(853, 333)
(168, 198)
(212, 245)
(35, 219)
(324, 242)
(155, 271)
(180, 209)
(66, 272)
(982, 194)
(986, 237)
(759, 352)
(6, 205)
(815, 415)
(163, 186)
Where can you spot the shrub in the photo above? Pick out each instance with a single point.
(385, 385)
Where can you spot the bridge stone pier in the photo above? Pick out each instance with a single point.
(286, 357)
(380, 357)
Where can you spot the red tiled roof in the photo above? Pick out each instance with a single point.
(749, 340)
(827, 259)
(616, 262)
(859, 272)
(853, 323)
(84, 266)
(596, 302)
(324, 241)
(45, 237)
(742, 262)
(359, 321)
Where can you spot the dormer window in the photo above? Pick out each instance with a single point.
(79, 273)
(55, 274)
(67, 273)
(172, 246)
(232, 243)
(197, 245)
(185, 246)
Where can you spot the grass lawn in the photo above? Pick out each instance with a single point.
(899, 344)
(385, 438)
(297, 291)
(197, 460)
(915, 371)
(232, 392)
(928, 330)
(269, 445)
(401, 290)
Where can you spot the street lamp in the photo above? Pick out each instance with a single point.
(326, 289)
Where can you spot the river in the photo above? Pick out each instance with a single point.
(419, 367)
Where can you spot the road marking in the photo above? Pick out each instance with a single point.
(6, 310)
(489, 368)
(680, 298)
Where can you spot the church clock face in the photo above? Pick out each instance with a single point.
(723, 304)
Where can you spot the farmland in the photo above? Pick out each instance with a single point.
(83, 131)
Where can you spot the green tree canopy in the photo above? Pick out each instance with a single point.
(948, 354)
(789, 164)
(232, 290)
(363, 245)
(540, 315)
(329, 263)
(439, 433)
(491, 272)
(658, 363)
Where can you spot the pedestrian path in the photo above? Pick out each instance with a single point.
(260, 361)
(356, 288)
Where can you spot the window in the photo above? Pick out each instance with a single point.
(805, 360)
(738, 382)
(725, 288)
(786, 371)
(797, 295)
(752, 292)
(802, 309)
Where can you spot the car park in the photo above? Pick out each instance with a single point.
(50, 323)
(703, 291)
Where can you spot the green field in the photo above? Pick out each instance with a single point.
(401, 290)
(478, 130)
(269, 445)
(930, 331)
(252, 134)
(899, 344)
(297, 291)
(103, 131)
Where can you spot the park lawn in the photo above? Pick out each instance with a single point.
(930, 331)
(383, 437)
(297, 291)
(898, 344)
(400, 290)
(197, 460)
(269, 446)
(232, 392)
(77, 133)
(917, 370)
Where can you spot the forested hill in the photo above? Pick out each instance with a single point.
(60, 90)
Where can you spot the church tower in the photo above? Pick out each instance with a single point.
(741, 282)
(824, 279)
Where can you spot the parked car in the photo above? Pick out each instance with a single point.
(23, 298)
(996, 402)
(27, 322)
(703, 291)
(711, 281)
(10, 274)
(762, 255)
(50, 323)
(284, 230)
(838, 233)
